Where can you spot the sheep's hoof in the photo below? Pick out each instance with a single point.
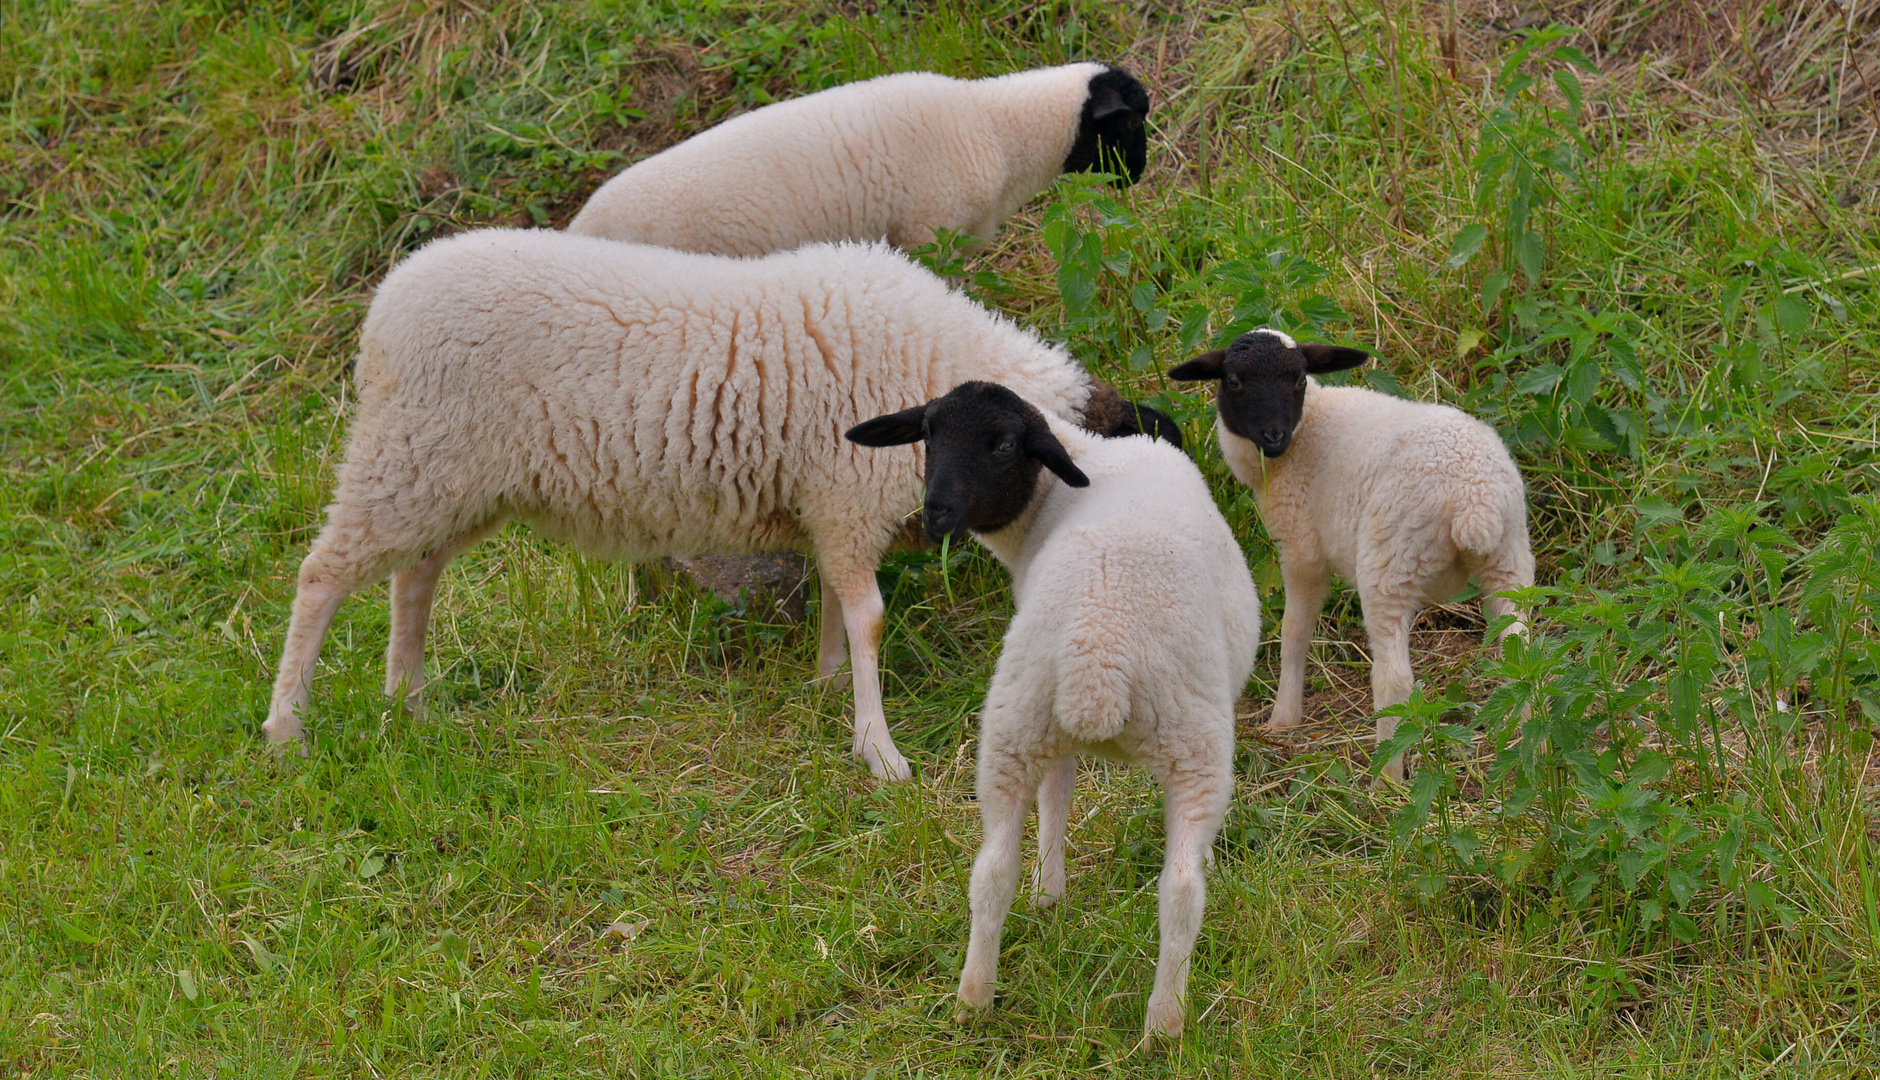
(1042, 899)
(1164, 1018)
(974, 1004)
(1393, 771)
(1275, 724)
(885, 764)
(834, 680)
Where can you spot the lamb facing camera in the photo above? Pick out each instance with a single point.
(1404, 499)
(1135, 632)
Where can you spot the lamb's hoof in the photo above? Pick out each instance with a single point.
(1042, 899)
(835, 680)
(886, 764)
(1394, 772)
(285, 732)
(1275, 726)
(1164, 1019)
(974, 1005)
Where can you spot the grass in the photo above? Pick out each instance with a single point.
(626, 840)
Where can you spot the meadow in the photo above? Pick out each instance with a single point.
(1642, 240)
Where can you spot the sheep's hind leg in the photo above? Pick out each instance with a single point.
(1003, 799)
(1387, 621)
(413, 590)
(1054, 811)
(1195, 799)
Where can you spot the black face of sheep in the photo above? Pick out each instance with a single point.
(985, 446)
(1263, 383)
(1112, 133)
(1110, 415)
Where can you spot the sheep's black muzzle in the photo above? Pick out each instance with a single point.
(1273, 443)
(940, 520)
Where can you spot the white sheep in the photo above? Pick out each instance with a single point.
(639, 402)
(1135, 631)
(896, 157)
(1407, 500)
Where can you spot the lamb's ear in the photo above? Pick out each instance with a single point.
(894, 429)
(1323, 358)
(1205, 366)
(1041, 444)
(1157, 423)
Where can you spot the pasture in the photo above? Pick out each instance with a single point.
(1642, 241)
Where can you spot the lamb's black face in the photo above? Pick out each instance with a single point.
(1112, 134)
(985, 446)
(1263, 383)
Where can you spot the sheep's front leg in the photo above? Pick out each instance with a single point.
(832, 648)
(1387, 621)
(1003, 798)
(1307, 585)
(1195, 802)
(862, 612)
(1054, 811)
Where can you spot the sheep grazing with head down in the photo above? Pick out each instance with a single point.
(1135, 631)
(640, 402)
(895, 157)
(1404, 499)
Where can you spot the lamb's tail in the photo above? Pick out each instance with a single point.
(1477, 526)
(1093, 690)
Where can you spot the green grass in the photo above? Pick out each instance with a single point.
(1655, 291)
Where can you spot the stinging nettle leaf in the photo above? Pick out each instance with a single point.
(1468, 241)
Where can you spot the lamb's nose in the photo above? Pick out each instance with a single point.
(939, 519)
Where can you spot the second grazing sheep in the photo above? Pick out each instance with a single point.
(1406, 500)
(640, 402)
(894, 157)
(1135, 632)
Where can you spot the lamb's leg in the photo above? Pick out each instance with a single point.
(1054, 809)
(329, 573)
(1195, 798)
(1307, 584)
(832, 648)
(862, 611)
(1387, 621)
(1003, 798)
(1511, 569)
(413, 589)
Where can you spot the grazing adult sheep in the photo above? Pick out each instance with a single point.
(638, 402)
(1135, 631)
(896, 157)
(1406, 500)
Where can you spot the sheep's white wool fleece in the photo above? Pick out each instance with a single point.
(1386, 492)
(639, 402)
(1132, 597)
(894, 157)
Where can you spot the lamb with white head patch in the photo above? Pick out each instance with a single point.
(1406, 500)
(1135, 632)
(639, 402)
(894, 157)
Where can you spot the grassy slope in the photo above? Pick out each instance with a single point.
(197, 201)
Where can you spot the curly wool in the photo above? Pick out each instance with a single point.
(639, 402)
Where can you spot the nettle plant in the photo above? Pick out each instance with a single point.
(1616, 762)
(1131, 294)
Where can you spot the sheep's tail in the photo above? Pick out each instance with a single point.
(1092, 701)
(1477, 526)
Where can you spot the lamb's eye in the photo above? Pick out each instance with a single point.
(1006, 446)
(1301, 384)
(1232, 381)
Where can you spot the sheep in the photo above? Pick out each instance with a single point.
(897, 157)
(637, 402)
(1407, 500)
(1135, 631)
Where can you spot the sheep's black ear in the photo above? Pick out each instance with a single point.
(1041, 444)
(1323, 358)
(894, 429)
(1157, 423)
(1205, 366)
